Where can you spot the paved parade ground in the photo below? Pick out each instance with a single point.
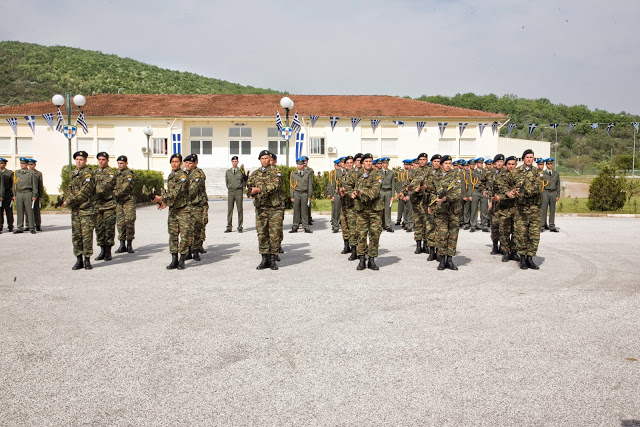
(317, 342)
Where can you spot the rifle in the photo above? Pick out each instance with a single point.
(151, 195)
(443, 192)
(59, 202)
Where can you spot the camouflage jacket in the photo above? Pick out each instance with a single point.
(81, 195)
(448, 185)
(176, 195)
(419, 177)
(269, 180)
(125, 183)
(197, 188)
(529, 179)
(370, 183)
(105, 183)
(343, 182)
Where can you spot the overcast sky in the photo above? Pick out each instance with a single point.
(571, 52)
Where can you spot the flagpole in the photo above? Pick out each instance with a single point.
(556, 154)
(633, 158)
(68, 100)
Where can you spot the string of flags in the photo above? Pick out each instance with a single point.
(570, 127)
(48, 117)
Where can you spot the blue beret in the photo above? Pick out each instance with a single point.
(386, 160)
(549, 160)
(480, 160)
(406, 161)
(428, 163)
(32, 160)
(336, 162)
(300, 161)
(3, 160)
(540, 161)
(488, 161)
(305, 158)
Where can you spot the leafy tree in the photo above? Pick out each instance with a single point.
(606, 192)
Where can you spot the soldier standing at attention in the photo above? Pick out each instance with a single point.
(386, 194)
(263, 186)
(347, 204)
(301, 183)
(205, 209)
(105, 178)
(350, 184)
(550, 195)
(446, 208)
(431, 220)
(176, 196)
(197, 199)
(235, 181)
(527, 218)
(477, 198)
(400, 182)
(415, 192)
(466, 194)
(492, 193)
(273, 162)
(81, 198)
(125, 205)
(311, 173)
(38, 203)
(334, 196)
(25, 194)
(368, 206)
(6, 193)
(505, 182)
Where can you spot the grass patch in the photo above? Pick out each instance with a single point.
(575, 205)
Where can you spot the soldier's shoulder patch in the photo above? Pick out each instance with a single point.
(88, 175)
(129, 179)
(183, 178)
(129, 176)
(279, 174)
(88, 179)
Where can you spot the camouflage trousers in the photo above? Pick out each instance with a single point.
(82, 226)
(344, 222)
(205, 221)
(197, 217)
(180, 230)
(504, 218)
(269, 227)
(526, 229)
(494, 223)
(447, 226)
(369, 223)
(281, 235)
(105, 227)
(126, 219)
(352, 220)
(420, 222)
(431, 229)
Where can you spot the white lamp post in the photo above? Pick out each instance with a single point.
(59, 101)
(148, 131)
(287, 104)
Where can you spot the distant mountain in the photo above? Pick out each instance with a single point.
(31, 72)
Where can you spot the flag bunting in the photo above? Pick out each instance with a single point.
(334, 121)
(462, 127)
(31, 121)
(354, 122)
(49, 118)
(314, 119)
(442, 127)
(510, 129)
(374, 124)
(13, 122)
(420, 126)
(59, 121)
(532, 126)
(278, 121)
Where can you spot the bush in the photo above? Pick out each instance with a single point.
(606, 192)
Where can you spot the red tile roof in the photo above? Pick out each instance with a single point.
(255, 106)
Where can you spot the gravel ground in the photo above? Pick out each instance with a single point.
(317, 342)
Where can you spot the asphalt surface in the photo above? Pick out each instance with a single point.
(317, 342)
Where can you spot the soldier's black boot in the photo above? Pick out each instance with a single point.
(79, 264)
(87, 263)
(506, 257)
(433, 253)
(443, 262)
(196, 255)
(346, 248)
(363, 263)
(100, 256)
(107, 253)
(514, 256)
(174, 262)
(354, 253)
(372, 264)
(523, 262)
(272, 262)
(280, 251)
(495, 250)
(265, 262)
(189, 255)
(130, 246)
(122, 248)
(277, 257)
(418, 247)
(530, 263)
(425, 248)
(449, 263)
(181, 262)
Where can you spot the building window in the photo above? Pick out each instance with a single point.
(240, 132)
(447, 146)
(278, 147)
(273, 133)
(389, 147)
(159, 146)
(369, 145)
(24, 146)
(240, 147)
(86, 144)
(107, 145)
(5, 145)
(316, 146)
(467, 147)
(205, 132)
(201, 147)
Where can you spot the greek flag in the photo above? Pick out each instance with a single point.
(462, 127)
(636, 126)
(278, 121)
(494, 127)
(554, 125)
(374, 124)
(511, 127)
(13, 122)
(571, 126)
(82, 122)
(334, 121)
(481, 127)
(442, 127)
(609, 126)
(299, 141)
(314, 119)
(31, 121)
(399, 122)
(59, 121)
(295, 125)
(354, 122)
(532, 126)
(49, 118)
(420, 126)
(594, 125)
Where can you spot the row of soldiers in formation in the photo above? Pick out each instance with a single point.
(23, 188)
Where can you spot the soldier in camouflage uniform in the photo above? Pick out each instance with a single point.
(387, 192)
(445, 196)
(349, 186)
(105, 178)
(273, 162)
(491, 193)
(332, 195)
(197, 200)
(176, 196)
(25, 194)
(125, 205)
(505, 183)
(81, 198)
(430, 231)
(347, 205)
(368, 207)
(527, 219)
(38, 203)
(264, 186)
(415, 192)
(6, 194)
(202, 233)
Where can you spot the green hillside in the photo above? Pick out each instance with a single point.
(31, 72)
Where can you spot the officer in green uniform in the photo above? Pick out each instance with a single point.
(105, 178)
(180, 226)
(387, 192)
(347, 205)
(125, 205)
(332, 195)
(81, 198)
(311, 173)
(6, 195)
(467, 193)
(235, 181)
(264, 186)
(197, 199)
(368, 207)
(478, 201)
(400, 181)
(301, 186)
(25, 195)
(38, 203)
(550, 195)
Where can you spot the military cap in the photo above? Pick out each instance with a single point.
(407, 161)
(436, 157)
(549, 160)
(336, 162)
(3, 160)
(414, 160)
(345, 158)
(234, 158)
(422, 155)
(305, 158)
(444, 158)
(540, 161)
(489, 162)
(274, 156)
(480, 160)
(357, 156)
(103, 154)
(498, 157)
(428, 163)
(300, 161)
(175, 155)
(80, 154)
(190, 158)
(527, 151)
(366, 156)
(32, 161)
(122, 158)
(264, 153)
(510, 158)
(386, 160)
